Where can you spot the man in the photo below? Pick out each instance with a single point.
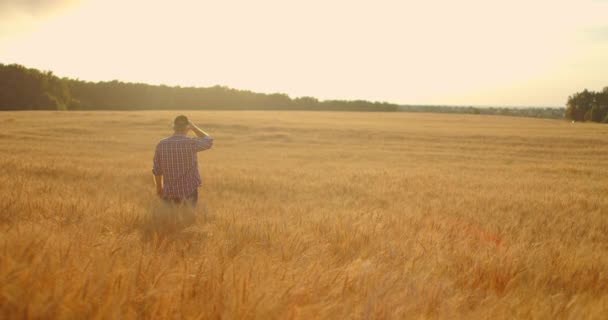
(175, 163)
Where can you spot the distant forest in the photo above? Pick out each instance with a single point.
(24, 88)
(588, 106)
(30, 89)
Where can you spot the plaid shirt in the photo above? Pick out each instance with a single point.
(175, 160)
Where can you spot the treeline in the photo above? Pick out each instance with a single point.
(551, 113)
(588, 106)
(22, 88)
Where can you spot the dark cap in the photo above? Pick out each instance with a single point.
(180, 122)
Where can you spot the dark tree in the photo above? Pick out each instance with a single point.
(588, 106)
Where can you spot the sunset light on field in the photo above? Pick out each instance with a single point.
(312, 159)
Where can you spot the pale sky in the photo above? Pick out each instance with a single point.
(466, 52)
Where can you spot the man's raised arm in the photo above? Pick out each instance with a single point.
(198, 131)
(203, 141)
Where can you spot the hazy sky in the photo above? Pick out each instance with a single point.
(466, 52)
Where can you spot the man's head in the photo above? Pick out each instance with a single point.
(181, 124)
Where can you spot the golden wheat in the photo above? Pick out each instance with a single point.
(305, 215)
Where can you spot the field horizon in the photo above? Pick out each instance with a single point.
(305, 214)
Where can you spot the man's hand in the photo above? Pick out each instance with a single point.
(158, 181)
(197, 131)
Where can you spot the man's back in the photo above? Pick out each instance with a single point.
(175, 159)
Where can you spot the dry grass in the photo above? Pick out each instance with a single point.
(309, 215)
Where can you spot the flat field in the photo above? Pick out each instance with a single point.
(305, 215)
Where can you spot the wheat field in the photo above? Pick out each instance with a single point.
(305, 215)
